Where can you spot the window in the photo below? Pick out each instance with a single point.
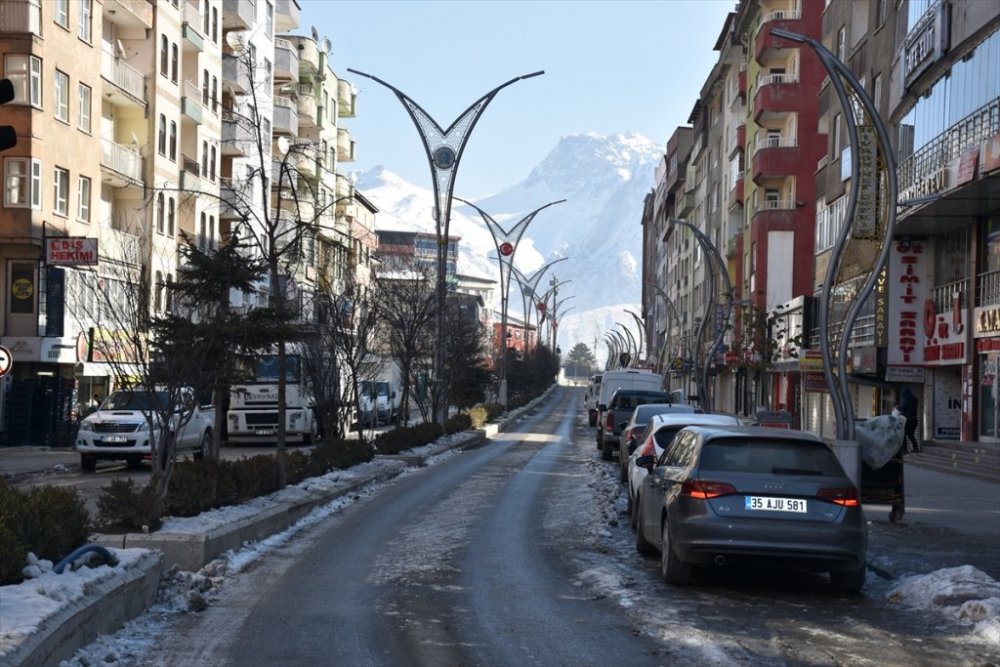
(205, 17)
(61, 190)
(203, 231)
(83, 192)
(879, 13)
(211, 231)
(173, 63)
(173, 140)
(269, 18)
(83, 27)
(62, 96)
(877, 91)
(164, 44)
(267, 73)
(83, 107)
(204, 88)
(158, 299)
(836, 136)
(841, 43)
(60, 12)
(16, 186)
(204, 159)
(215, 94)
(36, 184)
(171, 207)
(211, 169)
(160, 209)
(25, 74)
(215, 25)
(161, 140)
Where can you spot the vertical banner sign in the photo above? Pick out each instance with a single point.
(22, 289)
(866, 216)
(55, 301)
(907, 290)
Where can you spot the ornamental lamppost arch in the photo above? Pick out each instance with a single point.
(506, 242)
(529, 287)
(444, 149)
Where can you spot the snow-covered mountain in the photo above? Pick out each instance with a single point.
(597, 228)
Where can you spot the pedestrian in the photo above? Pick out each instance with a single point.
(908, 406)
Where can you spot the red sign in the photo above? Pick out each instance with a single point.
(990, 160)
(967, 166)
(71, 251)
(506, 249)
(540, 306)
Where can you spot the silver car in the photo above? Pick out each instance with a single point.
(751, 496)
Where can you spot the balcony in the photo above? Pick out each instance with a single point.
(128, 85)
(345, 145)
(237, 139)
(191, 102)
(21, 16)
(286, 15)
(306, 107)
(190, 174)
(789, 19)
(686, 204)
(736, 193)
(237, 15)
(286, 61)
(741, 82)
(343, 188)
(129, 13)
(776, 93)
(308, 56)
(286, 117)
(776, 157)
(739, 140)
(779, 213)
(236, 73)
(346, 99)
(120, 165)
(232, 200)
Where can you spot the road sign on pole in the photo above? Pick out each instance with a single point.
(6, 360)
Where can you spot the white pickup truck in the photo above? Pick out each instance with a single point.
(119, 428)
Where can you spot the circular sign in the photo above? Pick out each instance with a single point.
(506, 249)
(540, 306)
(444, 157)
(21, 289)
(6, 360)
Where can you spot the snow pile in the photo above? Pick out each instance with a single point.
(964, 593)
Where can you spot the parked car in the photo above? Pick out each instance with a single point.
(617, 412)
(657, 435)
(751, 496)
(636, 424)
(590, 400)
(120, 427)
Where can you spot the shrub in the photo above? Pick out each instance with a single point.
(256, 476)
(192, 488)
(122, 506)
(340, 454)
(397, 440)
(48, 521)
(478, 415)
(457, 423)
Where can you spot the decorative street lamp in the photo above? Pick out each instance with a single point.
(671, 315)
(556, 309)
(716, 268)
(529, 287)
(641, 328)
(554, 285)
(444, 148)
(506, 242)
(864, 157)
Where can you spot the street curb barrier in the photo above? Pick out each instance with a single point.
(104, 610)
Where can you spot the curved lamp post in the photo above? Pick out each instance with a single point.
(612, 343)
(506, 242)
(632, 349)
(641, 328)
(529, 285)
(717, 267)
(444, 148)
(839, 74)
(553, 322)
(553, 291)
(671, 314)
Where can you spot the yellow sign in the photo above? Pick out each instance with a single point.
(21, 289)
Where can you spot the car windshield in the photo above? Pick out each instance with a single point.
(645, 412)
(130, 400)
(665, 435)
(776, 457)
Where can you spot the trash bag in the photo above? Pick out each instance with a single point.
(880, 439)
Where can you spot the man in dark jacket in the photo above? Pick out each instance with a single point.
(908, 408)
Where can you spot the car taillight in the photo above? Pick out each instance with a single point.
(609, 421)
(702, 489)
(848, 497)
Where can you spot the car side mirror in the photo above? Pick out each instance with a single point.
(622, 425)
(602, 407)
(646, 461)
(632, 445)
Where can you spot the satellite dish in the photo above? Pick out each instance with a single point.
(234, 42)
(326, 45)
(283, 145)
(315, 33)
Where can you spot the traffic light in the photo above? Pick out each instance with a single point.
(8, 138)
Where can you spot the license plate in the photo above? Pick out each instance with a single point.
(769, 504)
(264, 431)
(114, 438)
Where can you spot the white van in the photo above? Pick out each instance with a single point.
(590, 401)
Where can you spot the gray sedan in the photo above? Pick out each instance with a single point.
(751, 496)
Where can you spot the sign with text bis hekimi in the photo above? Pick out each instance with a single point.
(71, 251)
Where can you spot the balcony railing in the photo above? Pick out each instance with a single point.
(124, 76)
(781, 15)
(823, 161)
(121, 159)
(775, 142)
(989, 289)
(772, 79)
(941, 151)
(21, 16)
(776, 205)
(943, 295)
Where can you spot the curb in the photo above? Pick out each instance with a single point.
(104, 610)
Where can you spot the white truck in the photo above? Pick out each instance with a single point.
(120, 427)
(253, 404)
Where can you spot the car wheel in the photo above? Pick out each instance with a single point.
(308, 439)
(642, 545)
(672, 569)
(592, 419)
(203, 447)
(88, 463)
(851, 581)
(607, 453)
(622, 472)
(633, 515)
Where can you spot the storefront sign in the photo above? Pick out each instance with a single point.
(814, 382)
(22, 349)
(810, 360)
(967, 166)
(927, 184)
(866, 213)
(989, 159)
(987, 321)
(118, 346)
(907, 374)
(864, 360)
(907, 293)
(881, 310)
(58, 350)
(925, 43)
(947, 406)
(72, 251)
(946, 334)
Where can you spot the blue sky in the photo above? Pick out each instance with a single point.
(610, 67)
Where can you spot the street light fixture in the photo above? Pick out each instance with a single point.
(506, 242)
(529, 286)
(444, 149)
